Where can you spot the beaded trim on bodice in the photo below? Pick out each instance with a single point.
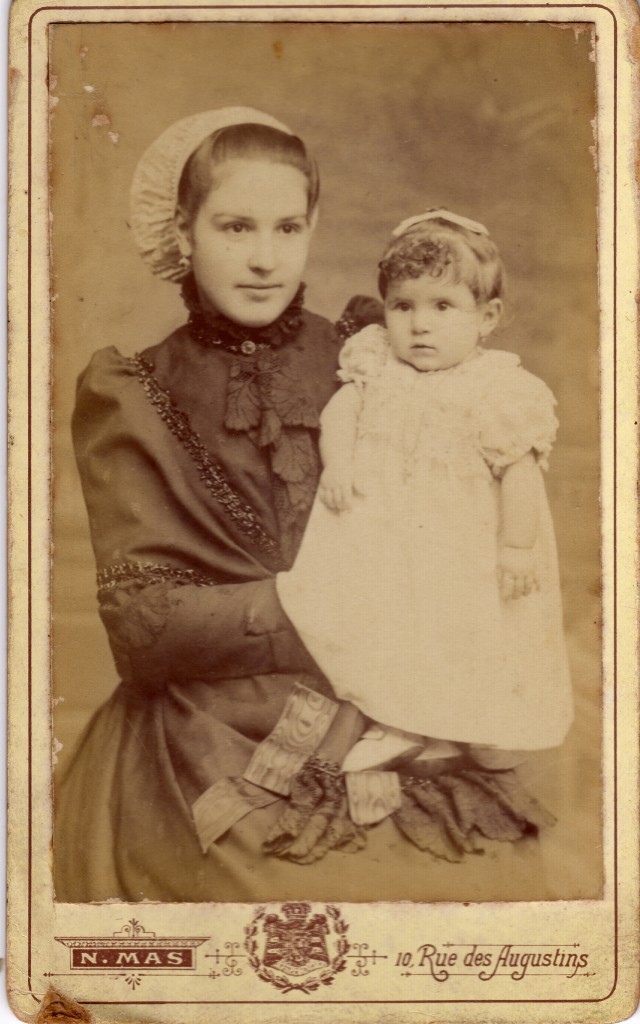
(242, 514)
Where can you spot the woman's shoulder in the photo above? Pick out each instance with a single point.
(105, 361)
(360, 312)
(312, 356)
(109, 368)
(101, 393)
(319, 328)
(118, 395)
(109, 389)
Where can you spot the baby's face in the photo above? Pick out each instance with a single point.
(433, 324)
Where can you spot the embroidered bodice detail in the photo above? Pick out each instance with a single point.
(239, 511)
(268, 399)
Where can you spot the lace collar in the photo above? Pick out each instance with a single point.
(217, 331)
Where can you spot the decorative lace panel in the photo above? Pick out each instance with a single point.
(214, 330)
(239, 511)
(476, 417)
(420, 420)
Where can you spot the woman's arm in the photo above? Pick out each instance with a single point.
(163, 633)
(519, 506)
(183, 594)
(339, 427)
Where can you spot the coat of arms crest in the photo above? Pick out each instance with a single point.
(297, 949)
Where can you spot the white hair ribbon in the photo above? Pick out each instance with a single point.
(452, 218)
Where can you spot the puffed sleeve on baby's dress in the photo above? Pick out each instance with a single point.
(364, 355)
(516, 414)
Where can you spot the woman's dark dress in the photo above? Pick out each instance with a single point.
(198, 467)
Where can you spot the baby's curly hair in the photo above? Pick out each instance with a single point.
(444, 250)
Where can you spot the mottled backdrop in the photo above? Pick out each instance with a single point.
(494, 121)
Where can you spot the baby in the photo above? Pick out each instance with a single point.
(426, 587)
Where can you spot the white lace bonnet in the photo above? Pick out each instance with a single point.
(154, 190)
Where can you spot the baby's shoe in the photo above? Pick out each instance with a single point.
(380, 744)
(495, 759)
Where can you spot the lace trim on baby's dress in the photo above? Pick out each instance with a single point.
(486, 410)
(423, 417)
(239, 511)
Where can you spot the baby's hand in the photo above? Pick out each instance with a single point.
(517, 574)
(336, 488)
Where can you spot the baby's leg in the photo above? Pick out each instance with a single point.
(495, 758)
(380, 744)
(356, 743)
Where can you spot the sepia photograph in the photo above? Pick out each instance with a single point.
(321, 390)
(360, 258)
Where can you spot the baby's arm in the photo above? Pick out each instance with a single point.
(345, 730)
(339, 426)
(519, 502)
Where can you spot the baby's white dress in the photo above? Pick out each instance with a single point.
(397, 599)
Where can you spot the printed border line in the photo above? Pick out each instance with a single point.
(329, 7)
(29, 525)
(413, 6)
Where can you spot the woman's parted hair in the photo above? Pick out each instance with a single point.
(242, 142)
(444, 250)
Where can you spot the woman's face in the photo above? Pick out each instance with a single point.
(249, 240)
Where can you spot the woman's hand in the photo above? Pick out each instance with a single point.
(336, 488)
(517, 575)
(316, 819)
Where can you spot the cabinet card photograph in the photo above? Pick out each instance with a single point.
(322, 501)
